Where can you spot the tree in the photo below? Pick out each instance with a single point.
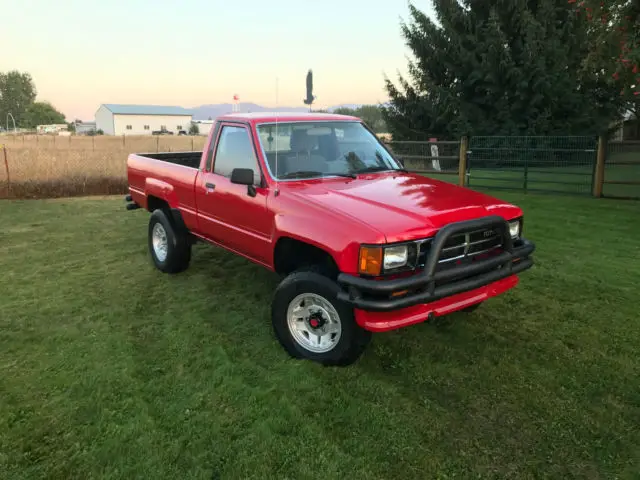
(194, 129)
(615, 40)
(615, 45)
(41, 113)
(17, 92)
(370, 114)
(499, 67)
(346, 111)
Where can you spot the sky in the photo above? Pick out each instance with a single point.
(85, 53)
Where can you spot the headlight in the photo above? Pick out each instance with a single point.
(395, 257)
(376, 260)
(514, 228)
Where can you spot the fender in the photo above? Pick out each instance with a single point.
(161, 189)
(338, 243)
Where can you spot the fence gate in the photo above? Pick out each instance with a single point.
(542, 164)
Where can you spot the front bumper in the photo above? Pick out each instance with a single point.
(432, 284)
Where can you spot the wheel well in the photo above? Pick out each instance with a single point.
(153, 203)
(173, 214)
(290, 255)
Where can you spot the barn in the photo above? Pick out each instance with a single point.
(117, 119)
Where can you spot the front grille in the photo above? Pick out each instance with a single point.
(463, 246)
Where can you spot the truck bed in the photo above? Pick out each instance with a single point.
(186, 159)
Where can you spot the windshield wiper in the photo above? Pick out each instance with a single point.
(312, 173)
(379, 168)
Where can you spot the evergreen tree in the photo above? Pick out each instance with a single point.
(499, 67)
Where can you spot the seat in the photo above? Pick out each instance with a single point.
(328, 146)
(302, 156)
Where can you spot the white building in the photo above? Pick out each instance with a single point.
(114, 119)
(53, 128)
(83, 128)
(204, 126)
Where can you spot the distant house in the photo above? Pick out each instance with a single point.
(116, 119)
(51, 129)
(85, 127)
(204, 126)
(628, 129)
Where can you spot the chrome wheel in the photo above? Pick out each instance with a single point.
(314, 323)
(159, 242)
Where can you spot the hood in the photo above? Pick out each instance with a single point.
(402, 206)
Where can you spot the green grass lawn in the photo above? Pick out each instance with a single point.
(110, 369)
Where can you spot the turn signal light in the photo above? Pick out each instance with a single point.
(370, 260)
(399, 293)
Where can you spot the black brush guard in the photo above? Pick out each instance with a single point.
(430, 285)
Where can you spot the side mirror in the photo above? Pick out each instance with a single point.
(242, 176)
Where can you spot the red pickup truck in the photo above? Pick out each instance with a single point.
(363, 245)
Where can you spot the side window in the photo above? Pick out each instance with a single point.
(235, 150)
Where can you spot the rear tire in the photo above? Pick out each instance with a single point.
(311, 323)
(169, 247)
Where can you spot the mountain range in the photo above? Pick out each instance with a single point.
(204, 112)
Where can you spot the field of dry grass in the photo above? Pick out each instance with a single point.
(49, 166)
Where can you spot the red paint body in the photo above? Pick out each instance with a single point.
(334, 214)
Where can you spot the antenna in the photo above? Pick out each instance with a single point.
(277, 192)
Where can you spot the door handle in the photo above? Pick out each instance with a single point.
(209, 186)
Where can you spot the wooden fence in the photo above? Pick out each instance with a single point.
(580, 165)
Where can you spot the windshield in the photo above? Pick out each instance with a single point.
(320, 149)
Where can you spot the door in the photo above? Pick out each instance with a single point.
(228, 213)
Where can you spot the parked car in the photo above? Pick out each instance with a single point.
(161, 132)
(362, 245)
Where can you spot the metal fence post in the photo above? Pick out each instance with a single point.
(6, 166)
(462, 162)
(526, 171)
(600, 160)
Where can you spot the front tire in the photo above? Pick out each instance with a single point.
(169, 248)
(311, 323)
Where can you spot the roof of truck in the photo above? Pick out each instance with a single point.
(265, 117)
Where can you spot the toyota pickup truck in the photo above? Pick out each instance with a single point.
(361, 244)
